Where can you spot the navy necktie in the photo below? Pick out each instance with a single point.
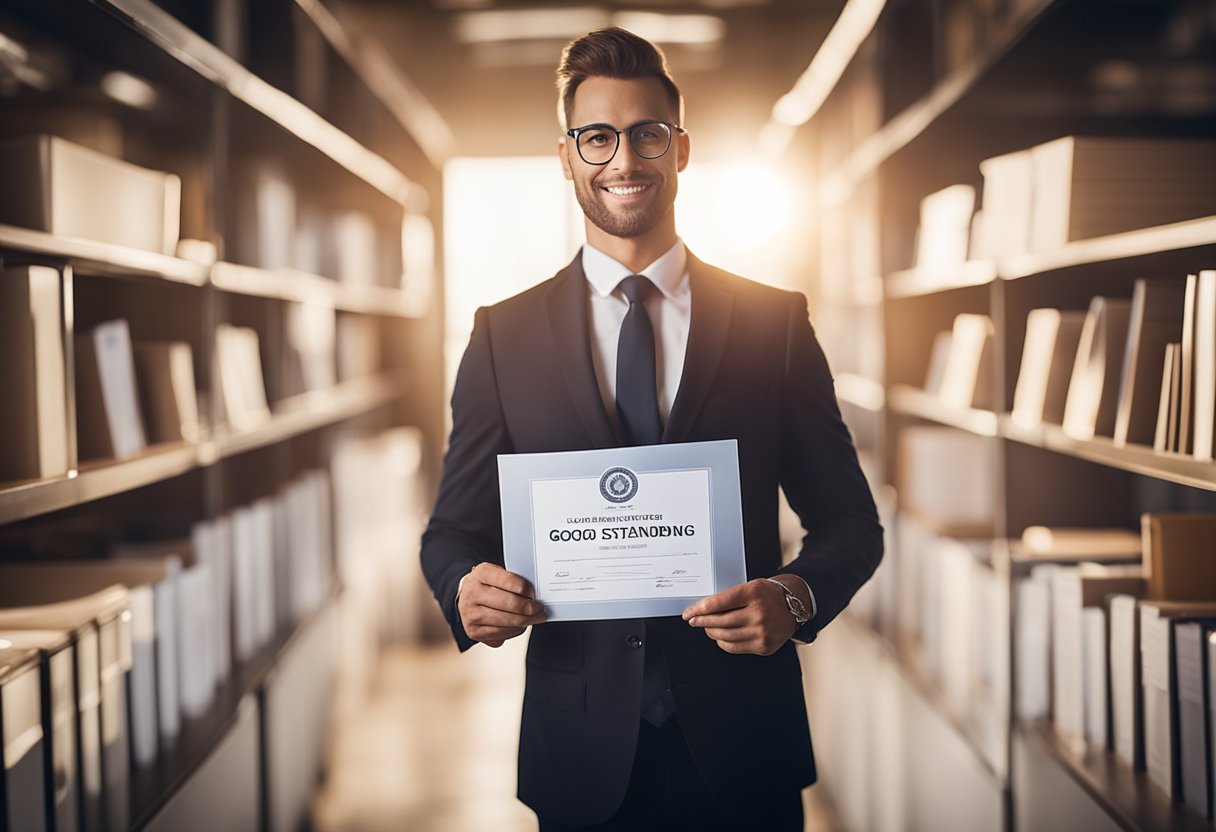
(637, 405)
(637, 398)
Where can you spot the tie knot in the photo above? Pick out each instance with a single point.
(636, 288)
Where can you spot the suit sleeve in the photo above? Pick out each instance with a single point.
(822, 480)
(465, 528)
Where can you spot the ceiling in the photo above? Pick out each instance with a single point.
(498, 95)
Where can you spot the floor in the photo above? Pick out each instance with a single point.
(432, 748)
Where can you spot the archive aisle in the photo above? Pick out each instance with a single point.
(1015, 261)
(217, 268)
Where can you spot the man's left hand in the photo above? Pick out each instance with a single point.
(748, 618)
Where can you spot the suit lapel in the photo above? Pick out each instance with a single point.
(567, 302)
(707, 331)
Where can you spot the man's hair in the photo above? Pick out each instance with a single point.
(611, 53)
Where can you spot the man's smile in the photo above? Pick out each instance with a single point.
(627, 189)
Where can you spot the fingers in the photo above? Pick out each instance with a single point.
(491, 574)
(728, 599)
(496, 605)
(744, 619)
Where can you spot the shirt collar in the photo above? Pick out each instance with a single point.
(669, 273)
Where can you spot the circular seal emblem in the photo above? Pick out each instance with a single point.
(618, 485)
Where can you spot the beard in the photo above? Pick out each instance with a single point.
(626, 220)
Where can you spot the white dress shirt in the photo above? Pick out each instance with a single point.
(670, 310)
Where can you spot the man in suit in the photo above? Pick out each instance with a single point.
(690, 722)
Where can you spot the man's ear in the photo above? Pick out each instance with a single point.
(564, 156)
(683, 151)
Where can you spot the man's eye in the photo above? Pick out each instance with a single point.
(596, 138)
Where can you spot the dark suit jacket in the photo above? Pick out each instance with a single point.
(754, 372)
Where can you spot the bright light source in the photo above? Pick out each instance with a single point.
(672, 28)
(751, 206)
(5, 644)
(739, 217)
(129, 90)
(526, 24)
(565, 24)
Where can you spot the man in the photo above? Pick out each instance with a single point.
(692, 722)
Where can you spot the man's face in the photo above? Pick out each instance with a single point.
(630, 195)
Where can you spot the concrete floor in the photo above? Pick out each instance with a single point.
(432, 748)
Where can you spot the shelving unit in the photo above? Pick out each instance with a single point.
(361, 147)
(933, 91)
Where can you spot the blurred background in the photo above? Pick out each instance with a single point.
(241, 247)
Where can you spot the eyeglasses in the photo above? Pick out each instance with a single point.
(598, 143)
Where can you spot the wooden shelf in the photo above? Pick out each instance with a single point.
(1139, 459)
(93, 481)
(901, 129)
(1163, 238)
(211, 62)
(860, 391)
(291, 418)
(1126, 796)
(912, 401)
(293, 285)
(924, 281)
(306, 412)
(89, 257)
(151, 788)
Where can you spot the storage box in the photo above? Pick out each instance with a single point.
(62, 188)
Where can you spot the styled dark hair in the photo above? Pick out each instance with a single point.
(611, 53)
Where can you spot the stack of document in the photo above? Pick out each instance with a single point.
(101, 636)
(40, 715)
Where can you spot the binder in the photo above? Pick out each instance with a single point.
(1126, 700)
(1093, 390)
(1156, 321)
(98, 634)
(58, 706)
(1194, 729)
(108, 423)
(165, 375)
(32, 375)
(23, 784)
(1048, 354)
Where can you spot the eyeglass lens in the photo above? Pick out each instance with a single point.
(597, 145)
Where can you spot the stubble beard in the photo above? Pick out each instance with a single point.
(628, 221)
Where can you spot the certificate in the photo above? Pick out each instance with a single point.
(624, 532)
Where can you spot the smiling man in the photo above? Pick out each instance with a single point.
(693, 722)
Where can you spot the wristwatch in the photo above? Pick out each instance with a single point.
(794, 603)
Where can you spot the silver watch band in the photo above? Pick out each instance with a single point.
(793, 603)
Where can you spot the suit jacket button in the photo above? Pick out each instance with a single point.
(634, 641)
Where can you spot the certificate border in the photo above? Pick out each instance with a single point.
(720, 458)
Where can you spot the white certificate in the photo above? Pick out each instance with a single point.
(624, 532)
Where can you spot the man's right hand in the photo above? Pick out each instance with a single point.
(496, 605)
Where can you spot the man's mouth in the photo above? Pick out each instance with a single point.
(625, 190)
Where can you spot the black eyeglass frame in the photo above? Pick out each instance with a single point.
(574, 133)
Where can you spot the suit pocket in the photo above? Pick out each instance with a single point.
(564, 691)
(557, 645)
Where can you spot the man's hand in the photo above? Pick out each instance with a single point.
(748, 618)
(496, 605)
